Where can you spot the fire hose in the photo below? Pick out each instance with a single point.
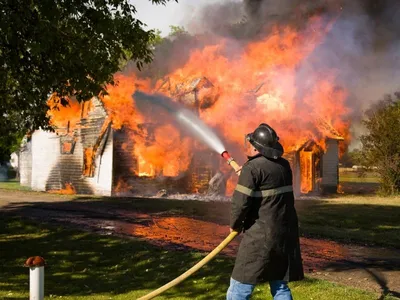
(206, 259)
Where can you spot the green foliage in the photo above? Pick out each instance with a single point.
(351, 158)
(177, 31)
(381, 146)
(71, 48)
(157, 38)
(8, 144)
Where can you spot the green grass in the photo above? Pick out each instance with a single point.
(356, 178)
(88, 266)
(13, 185)
(355, 219)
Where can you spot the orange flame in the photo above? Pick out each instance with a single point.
(64, 118)
(235, 93)
(259, 85)
(67, 190)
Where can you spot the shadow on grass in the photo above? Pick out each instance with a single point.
(373, 269)
(359, 188)
(359, 223)
(83, 264)
(121, 207)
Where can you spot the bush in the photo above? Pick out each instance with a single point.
(381, 146)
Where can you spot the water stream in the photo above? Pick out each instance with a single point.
(187, 120)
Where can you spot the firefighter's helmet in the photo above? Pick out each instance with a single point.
(266, 141)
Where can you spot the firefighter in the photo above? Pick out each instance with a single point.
(263, 208)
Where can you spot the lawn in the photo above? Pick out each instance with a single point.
(352, 182)
(13, 185)
(369, 220)
(367, 177)
(88, 266)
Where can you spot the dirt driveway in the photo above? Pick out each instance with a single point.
(369, 268)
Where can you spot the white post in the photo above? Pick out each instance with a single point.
(36, 283)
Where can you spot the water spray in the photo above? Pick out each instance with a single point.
(186, 120)
(190, 122)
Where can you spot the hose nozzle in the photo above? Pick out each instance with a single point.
(231, 162)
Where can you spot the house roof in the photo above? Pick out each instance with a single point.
(184, 87)
(328, 129)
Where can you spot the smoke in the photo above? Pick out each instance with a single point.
(362, 47)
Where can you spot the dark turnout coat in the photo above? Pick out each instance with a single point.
(263, 207)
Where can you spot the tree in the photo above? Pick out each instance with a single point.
(175, 31)
(70, 48)
(351, 158)
(157, 38)
(381, 146)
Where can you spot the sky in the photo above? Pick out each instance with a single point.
(161, 17)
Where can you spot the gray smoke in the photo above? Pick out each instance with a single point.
(362, 47)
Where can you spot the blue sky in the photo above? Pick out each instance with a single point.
(161, 17)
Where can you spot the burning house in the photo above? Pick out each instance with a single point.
(115, 146)
(89, 156)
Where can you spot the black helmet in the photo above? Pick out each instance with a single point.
(265, 140)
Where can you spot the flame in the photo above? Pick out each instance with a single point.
(307, 171)
(64, 118)
(260, 83)
(88, 161)
(67, 190)
(159, 151)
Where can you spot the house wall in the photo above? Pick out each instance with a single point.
(294, 160)
(102, 181)
(45, 157)
(25, 164)
(330, 167)
(125, 169)
(124, 163)
(51, 169)
(58, 159)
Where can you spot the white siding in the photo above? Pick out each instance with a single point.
(45, 155)
(101, 183)
(330, 164)
(25, 164)
(51, 169)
